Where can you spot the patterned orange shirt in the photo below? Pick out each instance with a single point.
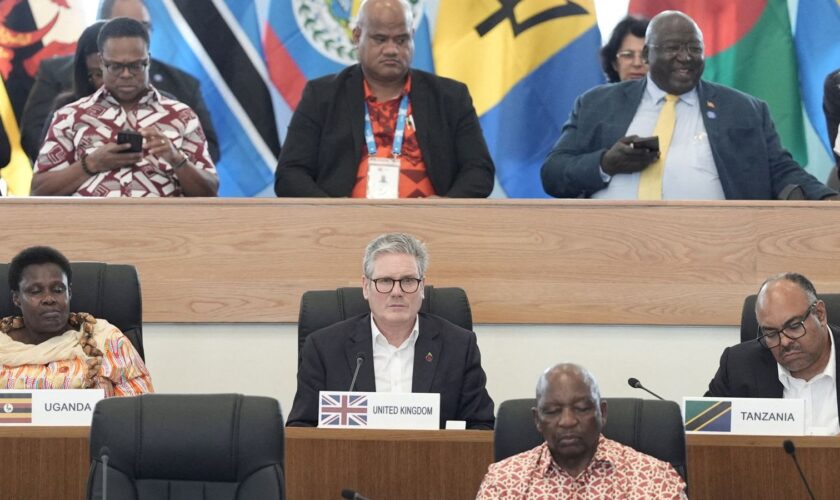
(616, 472)
(414, 181)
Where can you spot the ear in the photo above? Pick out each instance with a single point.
(536, 416)
(645, 54)
(603, 413)
(365, 283)
(821, 314)
(357, 35)
(16, 299)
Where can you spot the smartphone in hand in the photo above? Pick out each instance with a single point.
(130, 137)
(649, 143)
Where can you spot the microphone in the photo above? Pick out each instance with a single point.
(352, 495)
(360, 359)
(635, 384)
(104, 454)
(790, 449)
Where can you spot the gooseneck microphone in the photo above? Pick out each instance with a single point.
(104, 455)
(790, 449)
(635, 384)
(360, 359)
(352, 495)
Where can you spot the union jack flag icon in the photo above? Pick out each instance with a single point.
(339, 410)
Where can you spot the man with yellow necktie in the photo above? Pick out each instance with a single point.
(714, 142)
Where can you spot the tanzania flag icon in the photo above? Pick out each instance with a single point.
(708, 416)
(15, 408)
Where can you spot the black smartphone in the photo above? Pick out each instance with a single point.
(649, 143)
(130, 137)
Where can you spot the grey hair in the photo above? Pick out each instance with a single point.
(361, 15)
(804, 283)
(395, 243)
(585, 374)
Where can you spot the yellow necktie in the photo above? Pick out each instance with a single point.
(650, 182)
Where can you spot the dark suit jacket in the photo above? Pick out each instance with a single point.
(831, 107)
(750, 159)
(56, 76)
(329, 359)
(748, 370)
(325, 139)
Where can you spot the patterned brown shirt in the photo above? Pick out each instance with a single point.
(90, 122)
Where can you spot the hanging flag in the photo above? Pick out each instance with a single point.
(525, 63)
(749, 46)
(29, 33)
(818, 50)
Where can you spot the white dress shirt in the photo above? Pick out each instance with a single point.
(820, 395)
(393, 367)
(690, 171)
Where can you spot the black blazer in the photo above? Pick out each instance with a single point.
(329, 359)
(56, 76)
(325, 139)
(748, 370)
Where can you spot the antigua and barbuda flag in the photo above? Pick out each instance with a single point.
(525, 62)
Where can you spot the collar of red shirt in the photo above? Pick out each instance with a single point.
(151, 95)
(602, 457)
(369, 97)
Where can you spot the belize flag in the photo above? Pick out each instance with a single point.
(525, 62)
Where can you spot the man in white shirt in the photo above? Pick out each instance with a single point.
(401, 349)
(795, 356)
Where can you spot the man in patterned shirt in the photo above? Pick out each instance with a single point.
(577, 461)
(81, 156)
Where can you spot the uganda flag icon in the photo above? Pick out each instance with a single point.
(708, 416)
(15, 408)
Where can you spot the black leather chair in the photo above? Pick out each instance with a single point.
(322, 308)
(196, 446)
(107, 291)
(647, 425)
(749, 325)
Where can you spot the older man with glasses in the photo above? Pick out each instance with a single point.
(795, 355)
(402, 349)
(125, 139)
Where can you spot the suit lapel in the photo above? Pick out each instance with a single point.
(420, 109)
(355, 101)
(359, 341)
(426, 356)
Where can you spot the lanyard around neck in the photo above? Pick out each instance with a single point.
(399, 131)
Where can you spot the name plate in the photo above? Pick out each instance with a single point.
(48, 407)
(378, 410)
(749, 416)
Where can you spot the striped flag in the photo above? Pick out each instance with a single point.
(524, 63)
(16, 408)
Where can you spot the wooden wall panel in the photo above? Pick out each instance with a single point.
(521, 261)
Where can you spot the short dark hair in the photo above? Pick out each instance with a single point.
(629, 25)
(33, 256)
(122, 27)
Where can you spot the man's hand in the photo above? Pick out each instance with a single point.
(111, 156)
(159, 145)
(623, 158)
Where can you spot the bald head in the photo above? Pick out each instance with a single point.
(667, 20)
(568, 371)
(775, 285)
(378, 7)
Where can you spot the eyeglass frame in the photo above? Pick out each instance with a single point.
(134, 67)
(799, 321)
(680, 46)
(630, 55)
(393, 283)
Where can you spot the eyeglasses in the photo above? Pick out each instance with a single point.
(116, 69)
(407, 285)
(629, 55)
(770, 338)
(671, 49)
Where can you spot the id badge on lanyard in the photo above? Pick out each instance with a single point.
(383, 178)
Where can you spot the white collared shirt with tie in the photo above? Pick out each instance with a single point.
(690, 171)
(393, 367)
(820, 395)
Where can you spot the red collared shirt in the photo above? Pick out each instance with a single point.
(92, 121)
(414, 182)
(615, 472)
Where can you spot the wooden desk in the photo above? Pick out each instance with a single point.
(386, 464)
(520, 261)
(758, 467)
(43, 462)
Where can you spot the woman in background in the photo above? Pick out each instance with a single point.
(621, 57)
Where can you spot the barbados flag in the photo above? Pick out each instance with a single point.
(525, 62)
(818, 50)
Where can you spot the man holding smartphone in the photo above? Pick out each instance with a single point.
(713, 142)
(92, 145)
